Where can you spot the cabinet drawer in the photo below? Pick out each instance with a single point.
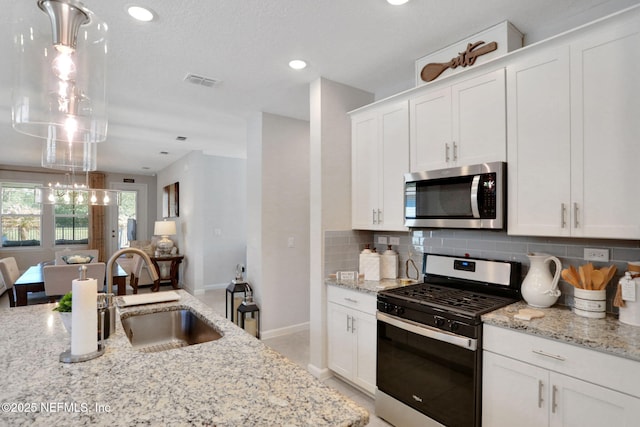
(614, 372)
(358, 300)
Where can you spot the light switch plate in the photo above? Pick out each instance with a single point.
(382, 240)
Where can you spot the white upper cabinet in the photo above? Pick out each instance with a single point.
(605, 131)
(574, 135)
(380, 158)
(539, 134)
(460, 124)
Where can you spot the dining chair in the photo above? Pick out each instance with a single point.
(138, 263)
(58, 278)
(9, 274)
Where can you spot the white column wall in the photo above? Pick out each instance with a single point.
(330, 191)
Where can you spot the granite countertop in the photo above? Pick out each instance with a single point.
(369, 286)
(233, 381)
(559, 323)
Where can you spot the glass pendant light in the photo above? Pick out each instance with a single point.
(60, 77)
(69, 156)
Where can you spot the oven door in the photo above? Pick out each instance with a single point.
(434, 372)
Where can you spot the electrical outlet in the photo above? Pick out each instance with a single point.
(593, 254)
(382, 240)
(291, 242)
(394, 240)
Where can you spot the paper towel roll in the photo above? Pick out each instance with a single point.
(84, 317)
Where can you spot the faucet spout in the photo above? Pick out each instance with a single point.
(152, 272)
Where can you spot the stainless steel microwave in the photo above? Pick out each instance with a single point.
(462, 197)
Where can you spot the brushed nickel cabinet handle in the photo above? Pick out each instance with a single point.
(353, 325)
(563, 216)
(373, 216)
(348, 325)
(446, 152)
(554, 404)
(545, 354)
(455, 151)
(540, 390)
(576, 224)
(380, 217)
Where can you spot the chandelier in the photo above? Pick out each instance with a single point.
(72, 192)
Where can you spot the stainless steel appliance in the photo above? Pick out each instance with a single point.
(429, 358)
(462, 197)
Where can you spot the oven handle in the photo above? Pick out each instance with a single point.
(428, 331)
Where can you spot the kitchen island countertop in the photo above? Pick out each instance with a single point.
(559, 323)
(233, 381)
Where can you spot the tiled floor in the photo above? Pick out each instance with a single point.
(294, 346)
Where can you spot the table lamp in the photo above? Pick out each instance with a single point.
(165, 229)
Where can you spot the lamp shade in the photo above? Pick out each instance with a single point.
(164, 228)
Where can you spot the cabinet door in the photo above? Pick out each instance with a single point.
(513, 393)
(340, 340)
(365, 164)
(430, 130)
(394, 131)
(576, 403)
(606, 132)
(365, 329)
(479, 120)
(539, 150)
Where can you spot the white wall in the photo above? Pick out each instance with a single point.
(211, 223)
(330, 191)
(278, 217)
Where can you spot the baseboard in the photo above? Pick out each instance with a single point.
(214, 286)
(320, 373)
(284, 331)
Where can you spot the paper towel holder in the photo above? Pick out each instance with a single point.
(66, 356)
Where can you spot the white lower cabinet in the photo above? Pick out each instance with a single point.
(351, 333)
(538, 393)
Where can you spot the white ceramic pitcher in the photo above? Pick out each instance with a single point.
(539, 289)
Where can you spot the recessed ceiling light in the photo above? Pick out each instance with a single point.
(297, 64)
(397, 2)
(140, 13)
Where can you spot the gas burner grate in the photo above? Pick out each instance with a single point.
(459, 300)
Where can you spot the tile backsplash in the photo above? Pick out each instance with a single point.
(342, 249)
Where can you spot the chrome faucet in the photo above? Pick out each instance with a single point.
(152, 272)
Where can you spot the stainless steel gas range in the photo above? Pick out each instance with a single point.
(429, 358)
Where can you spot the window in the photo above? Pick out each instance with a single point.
(71, 224)
(20, 215)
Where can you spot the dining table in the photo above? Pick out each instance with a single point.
(32, 280)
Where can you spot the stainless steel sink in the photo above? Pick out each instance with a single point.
(165, 330)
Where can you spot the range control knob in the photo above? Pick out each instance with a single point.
(439, 321)
(399, 311)
(453, 326)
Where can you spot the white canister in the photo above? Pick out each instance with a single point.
(389, 264)
(590, 303)
(630, 313)
(370, 265)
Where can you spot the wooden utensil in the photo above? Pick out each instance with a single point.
(575, 275)
(597, 279)
(567, 276)
(588, 269)
(433, 70)
(583, 279)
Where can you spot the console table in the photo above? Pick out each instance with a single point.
(175, 261)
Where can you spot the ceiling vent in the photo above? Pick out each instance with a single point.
(201, 80)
